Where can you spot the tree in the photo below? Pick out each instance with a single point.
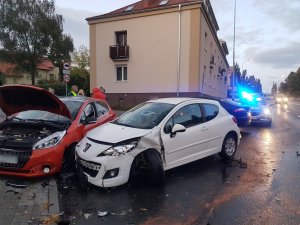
(81, 57)
(274, 89)
(29, 30)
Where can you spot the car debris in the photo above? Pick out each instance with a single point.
(87, 215)
(16, 184)
(239, 162)
(298, 154)
(101, 214)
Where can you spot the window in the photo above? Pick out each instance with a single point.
(129, 8)
(187, 116)
(88, 112)
(211, 111)
(163, 2)
(121, 38)
(101, 108)
(121, 73)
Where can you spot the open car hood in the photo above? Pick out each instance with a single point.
(19, 98)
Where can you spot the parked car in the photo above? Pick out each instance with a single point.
(153, 137)
(42, 130)
(281, 99)
(239, 111)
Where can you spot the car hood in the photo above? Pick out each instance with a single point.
(19, 98)
(111, 133)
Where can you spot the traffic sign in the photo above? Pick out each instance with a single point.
(66, 78)
(66, 72)
(66, 66)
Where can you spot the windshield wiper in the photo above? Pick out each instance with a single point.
(122, 124)
(17, 118)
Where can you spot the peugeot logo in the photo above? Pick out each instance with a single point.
(87, 146)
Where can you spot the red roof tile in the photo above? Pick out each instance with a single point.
(144, 5)
(46, 64)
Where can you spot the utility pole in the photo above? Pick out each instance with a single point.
(233, 54)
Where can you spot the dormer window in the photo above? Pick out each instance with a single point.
(129, 8)
(163, 2)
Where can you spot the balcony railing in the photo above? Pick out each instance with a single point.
(119, 52)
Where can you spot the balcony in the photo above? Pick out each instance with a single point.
(119, 52)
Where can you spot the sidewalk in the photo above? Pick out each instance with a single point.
(34, 202)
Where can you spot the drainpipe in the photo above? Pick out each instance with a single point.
(179, 49)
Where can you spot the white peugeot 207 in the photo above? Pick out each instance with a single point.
(153, 137)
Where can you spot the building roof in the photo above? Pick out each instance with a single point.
(9, 68)
(142, 6)
(46, 64)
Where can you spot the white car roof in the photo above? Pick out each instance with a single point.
(178, 100)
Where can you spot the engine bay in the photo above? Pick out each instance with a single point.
(23, 134)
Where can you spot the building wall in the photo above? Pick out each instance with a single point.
(153, 56)
(26, 79)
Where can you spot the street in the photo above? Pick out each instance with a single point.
(208, 191)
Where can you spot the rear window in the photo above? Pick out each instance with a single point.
(211, 111)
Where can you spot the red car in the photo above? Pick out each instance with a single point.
(41, 130)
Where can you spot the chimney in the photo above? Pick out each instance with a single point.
(148, 3)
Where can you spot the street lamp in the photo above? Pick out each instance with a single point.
(233, 54)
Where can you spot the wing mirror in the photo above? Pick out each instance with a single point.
(177, 128)
(90, 120)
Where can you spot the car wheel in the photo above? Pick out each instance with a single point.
(229, 147)
(156, 171)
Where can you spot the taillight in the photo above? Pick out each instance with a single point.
(234, 119)
(240, 110)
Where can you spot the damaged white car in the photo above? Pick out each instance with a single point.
(153, 137)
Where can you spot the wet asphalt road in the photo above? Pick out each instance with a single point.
(209, 191)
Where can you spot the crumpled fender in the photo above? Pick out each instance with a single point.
(152, 140)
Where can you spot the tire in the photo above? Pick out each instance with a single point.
(156, 171)
(229, 147)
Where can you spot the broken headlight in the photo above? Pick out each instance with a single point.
(118, 150)
(50, 141)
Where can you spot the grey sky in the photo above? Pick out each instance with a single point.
(267, 32)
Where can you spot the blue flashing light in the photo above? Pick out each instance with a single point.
(247, 96)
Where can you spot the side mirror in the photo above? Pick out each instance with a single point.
(90, 120)
(177, 128)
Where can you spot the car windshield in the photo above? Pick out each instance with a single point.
(73, 107)
(145, 116)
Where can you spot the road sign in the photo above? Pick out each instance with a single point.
(66, 72)
(66, 78)
(66, 66)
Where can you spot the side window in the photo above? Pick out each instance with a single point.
(211, 111)
(89, 111)
(187, 116)
(101, 108)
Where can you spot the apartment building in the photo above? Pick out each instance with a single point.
(158, 48)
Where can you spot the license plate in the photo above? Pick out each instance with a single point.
(8, 159)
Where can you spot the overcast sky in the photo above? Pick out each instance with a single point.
(267, 32)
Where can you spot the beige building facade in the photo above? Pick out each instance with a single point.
(157, 50)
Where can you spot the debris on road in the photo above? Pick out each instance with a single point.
(16, 184)
(52, 219)
(240, 163)
(87, 215)
(101, 214)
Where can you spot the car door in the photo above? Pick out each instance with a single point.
(88, 112)
(102, 112)
(213, 127)
(187, 146)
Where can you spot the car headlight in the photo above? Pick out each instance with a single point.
(266, 111)
(285, 99)
(118, 150)
(50, 141)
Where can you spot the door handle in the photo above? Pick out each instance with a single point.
(204, 128)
